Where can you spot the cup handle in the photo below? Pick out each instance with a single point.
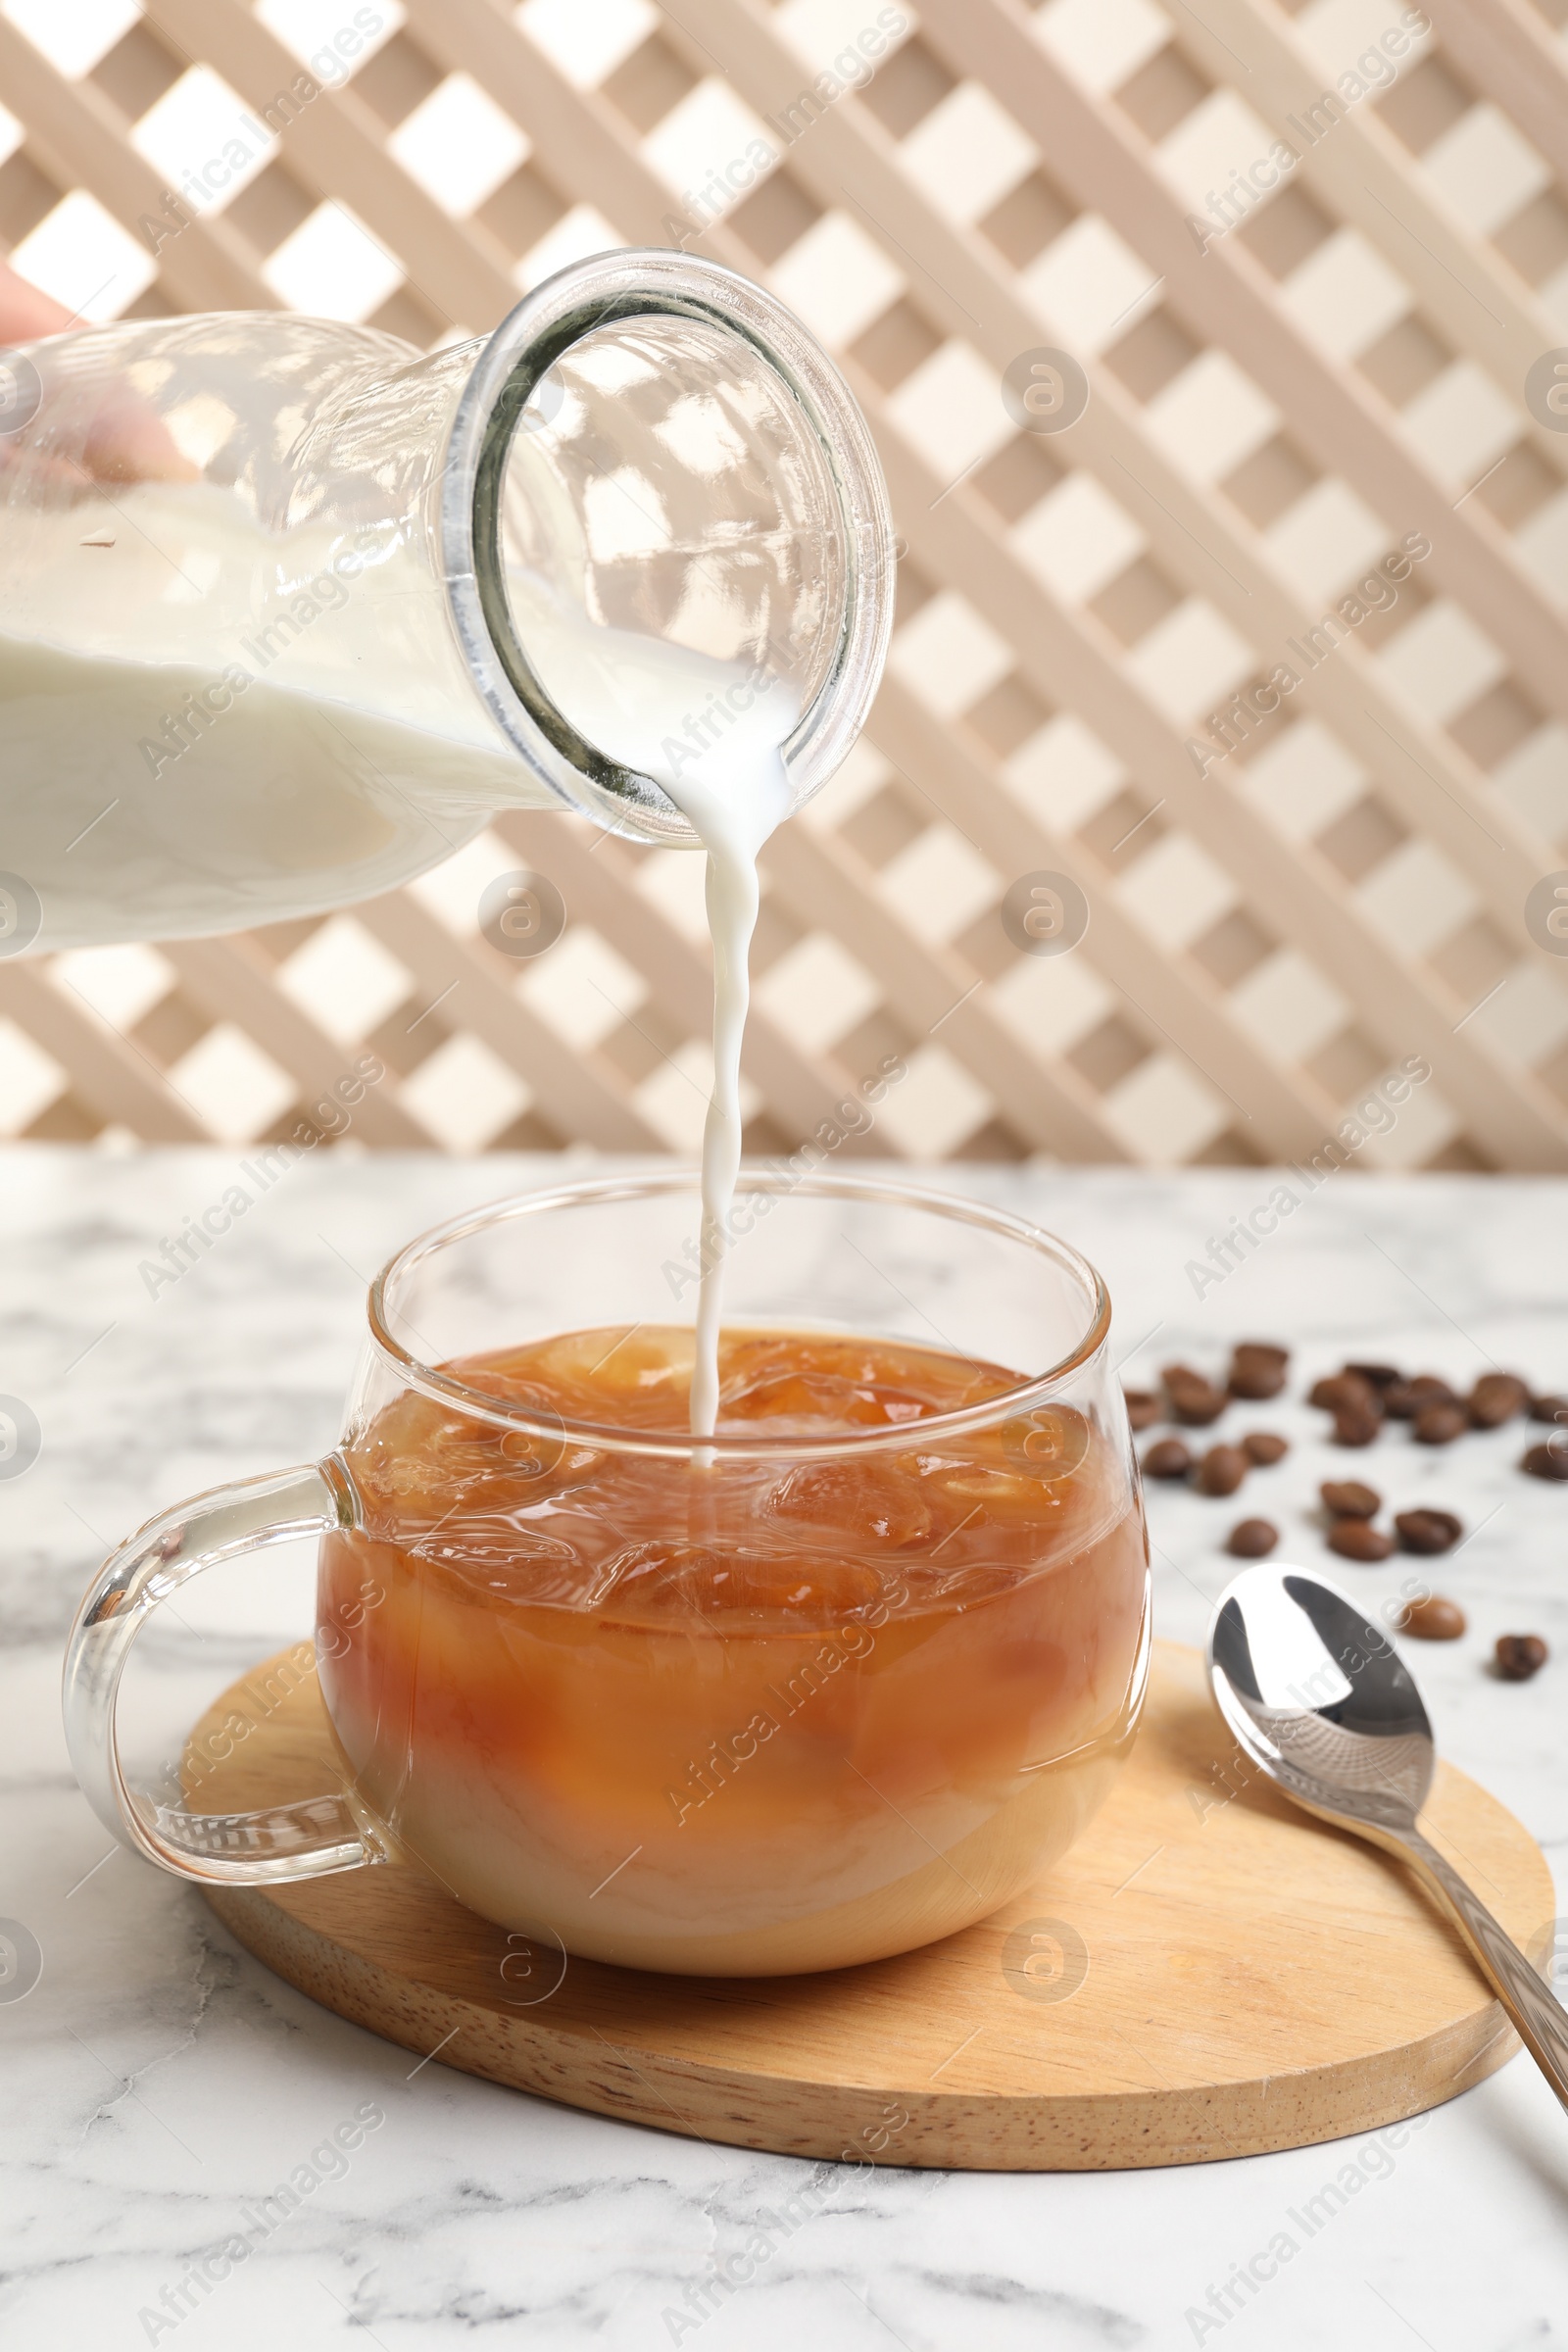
(303, 1840)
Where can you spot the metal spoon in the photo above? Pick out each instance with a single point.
(1324, 1706)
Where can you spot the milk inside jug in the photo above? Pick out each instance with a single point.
(288, 611)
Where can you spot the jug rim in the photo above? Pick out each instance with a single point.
(623, 283)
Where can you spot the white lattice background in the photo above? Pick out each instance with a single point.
(1268, 414)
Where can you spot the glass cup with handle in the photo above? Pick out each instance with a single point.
(833, 1682)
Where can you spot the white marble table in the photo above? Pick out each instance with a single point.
(158, 2080)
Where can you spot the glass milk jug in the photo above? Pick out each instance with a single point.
(287, 611)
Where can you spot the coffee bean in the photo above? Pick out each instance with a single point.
(1255, 1383)
(1257, 1369)
(1357, 1428)
(1167, 1457)
(1428, 1531)
(1519, 1656)
(1251, 1539)
(1142, 1408)
(1221, 1470)
(1439, 1424)
(1345, 1393)
(1359, 1540)
(1546, 1461)
(1548, 1408)
(1381, 1376)
(1348, 1498)
(1430, 1619)
(1263, 1446)
(1192, 1398)
(1405, 1398)
(1497, 1397)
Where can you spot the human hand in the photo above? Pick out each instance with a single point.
(25, 312)
(127, 441)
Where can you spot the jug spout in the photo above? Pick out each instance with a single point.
(287, 612)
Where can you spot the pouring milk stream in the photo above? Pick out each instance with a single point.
(637, 698)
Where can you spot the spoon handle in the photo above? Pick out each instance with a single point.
(1538, 2016)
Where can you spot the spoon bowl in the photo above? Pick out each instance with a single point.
(1323, 1704)
(1319, 1698)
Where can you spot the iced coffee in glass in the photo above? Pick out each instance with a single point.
(833, 1684)
(833, 1681)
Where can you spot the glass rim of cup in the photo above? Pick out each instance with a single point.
(1010, 1404)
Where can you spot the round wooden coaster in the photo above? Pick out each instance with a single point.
(1208, 1974)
